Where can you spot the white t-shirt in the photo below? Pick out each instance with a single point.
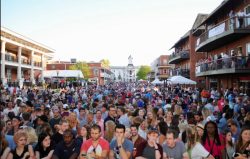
(198, 151)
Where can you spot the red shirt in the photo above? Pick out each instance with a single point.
(101, 146)
(215, 149)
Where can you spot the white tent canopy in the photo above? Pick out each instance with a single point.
(157, 81)
(180, 80)
(63, 73)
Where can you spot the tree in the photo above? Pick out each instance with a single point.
(105, 62)
(83, 66)
(143, 71)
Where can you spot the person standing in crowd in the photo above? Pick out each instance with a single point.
(4, 145)
(149, 148)
(123, 118)
(243, 144)
(68, 148)
(16, 123)
(22, 150)
(234, 129)
(212, 141)
(120, 147)
(135, 138)
(62, 127)
(173, 148)
(194, 148)
(55, 120)
(229, 146)
(44, 148)
(111, 115)
(96, 146)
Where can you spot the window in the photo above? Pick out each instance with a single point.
(247, 10)
(53, 67)
(248, 49)
(8, 74)
(96, 72)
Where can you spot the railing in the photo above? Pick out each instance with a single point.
(235, 62)
(26, 61)
(224, 26)
(11, 58)
(182, 72)
(37, 64)
(179, 54)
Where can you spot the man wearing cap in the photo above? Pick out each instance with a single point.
(69, 148)
(149, 148)
(56, 118)
(16, 123)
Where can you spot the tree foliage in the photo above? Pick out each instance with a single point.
(143, 71)
(83, 66)
(105, 62)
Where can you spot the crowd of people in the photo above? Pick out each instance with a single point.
(124, 121)
(223, 61)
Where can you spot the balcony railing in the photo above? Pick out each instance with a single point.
(11, 58)
(181, 72)
(178, 56)
(37, 64)
(230, 24)
(26, 61)
(235, 64)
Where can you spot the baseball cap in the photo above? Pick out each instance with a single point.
(152, 129)
(65, 106)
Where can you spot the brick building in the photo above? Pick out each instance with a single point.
(226, 43)
(160, 68)
(184, 56)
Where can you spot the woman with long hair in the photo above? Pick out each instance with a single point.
(151, 120)
(212, 141)
(44, 148)
(22, 150)
(229, 146)
(73, 121)
(83, 133)
(4, 146)
(243, 144)
(194, 148)
(32, 137)
(109, 130)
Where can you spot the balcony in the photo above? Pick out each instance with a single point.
(179, 56)
(25, 61)
(37, 64)
(223, 33)
(163, 66)
(162, 75)
(181, 72)
(11, 58)
(231, 65)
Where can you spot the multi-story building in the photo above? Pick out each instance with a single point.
(99, 73)
(184, 56)
(226, 43)
(160, 69)
(22, 60)
(125, 73)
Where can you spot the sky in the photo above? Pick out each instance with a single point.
(91, 30)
